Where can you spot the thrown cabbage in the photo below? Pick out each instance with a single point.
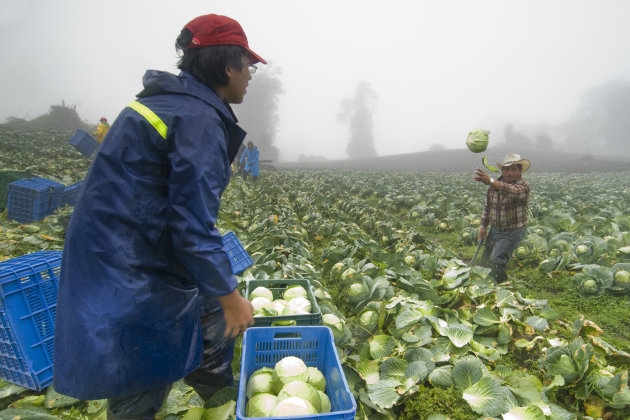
(477, 140)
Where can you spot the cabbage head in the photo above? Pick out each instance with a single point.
(300, 389)
(358, 291)
(294, 291)
(333, 322)
(288, 369)
(477, 140)
(593, 281)
(260, 382)
(261, 291)
(368, 319)
(316, 378)
(260, 405)
(293, 406)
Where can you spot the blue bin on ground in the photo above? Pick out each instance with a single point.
(265, 346)
(32, 199)
(69, 194)
(84, 143)
(239, 258)
(28, 303)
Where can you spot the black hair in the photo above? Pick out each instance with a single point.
(208, 64)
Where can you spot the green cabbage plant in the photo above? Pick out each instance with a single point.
(530, 248)
(593, 281)
(562, 241)
(571, 361)
(468, 235)
(621, 279)
(590, 249)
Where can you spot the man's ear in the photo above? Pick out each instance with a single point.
(229, 71)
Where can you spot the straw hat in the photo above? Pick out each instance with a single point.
(514, 159)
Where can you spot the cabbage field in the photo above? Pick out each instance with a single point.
(420, 332)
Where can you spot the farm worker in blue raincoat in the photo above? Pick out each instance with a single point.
(146, 292)
(250, 157)
(101, 130)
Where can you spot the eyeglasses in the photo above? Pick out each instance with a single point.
(252, 69)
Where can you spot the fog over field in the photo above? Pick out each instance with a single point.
(349, 79)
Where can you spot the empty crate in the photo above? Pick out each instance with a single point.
(69, 195)
(28, 302)
(32, 199)
(84, 143)
(239, 258)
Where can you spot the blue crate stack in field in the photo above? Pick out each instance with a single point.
(70, 193)
(32, 199)
(239, 259)
(84, 143)
(265, 346)
(28, 303)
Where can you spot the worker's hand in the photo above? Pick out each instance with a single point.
(238, 313)
(481, 176)
(482, 234)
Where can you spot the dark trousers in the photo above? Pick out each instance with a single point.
(214, 373)
(498, 250)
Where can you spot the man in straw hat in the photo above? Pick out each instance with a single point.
(505, 211)
(146, 292)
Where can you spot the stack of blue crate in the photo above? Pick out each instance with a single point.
(32, 199)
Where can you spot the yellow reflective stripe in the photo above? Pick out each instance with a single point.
(150, 116)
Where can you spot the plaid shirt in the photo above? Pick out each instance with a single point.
(506, 207)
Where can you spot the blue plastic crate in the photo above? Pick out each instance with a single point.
(32, 199)
(264, 347)
(70, 193)
(28, 303)
(84, 143)
(239, 258)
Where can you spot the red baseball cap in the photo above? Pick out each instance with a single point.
(218, 30)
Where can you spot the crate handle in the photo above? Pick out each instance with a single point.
(285, 335)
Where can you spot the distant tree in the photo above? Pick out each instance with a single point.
(544, 141)
(436, 147)
(357, 112)
(601, 124)
(258, 114)
(513, 138)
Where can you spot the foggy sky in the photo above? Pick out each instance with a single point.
(438, 68)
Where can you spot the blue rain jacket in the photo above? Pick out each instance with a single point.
(251, 157)
(142, 249)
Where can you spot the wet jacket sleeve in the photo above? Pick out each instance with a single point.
(198, 174)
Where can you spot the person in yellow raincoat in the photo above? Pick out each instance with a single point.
(101, 130)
